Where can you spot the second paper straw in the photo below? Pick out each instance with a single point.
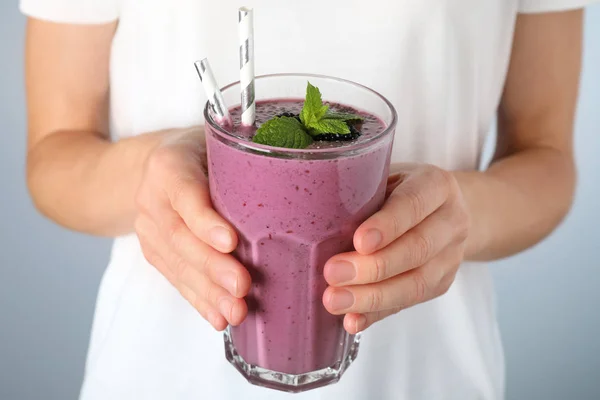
(214, 95)
(246, 32)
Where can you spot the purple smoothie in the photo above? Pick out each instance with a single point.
(292, 214)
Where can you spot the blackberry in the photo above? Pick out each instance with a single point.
(290, 115)
(334, 137)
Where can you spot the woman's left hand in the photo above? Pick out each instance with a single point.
(406, 254)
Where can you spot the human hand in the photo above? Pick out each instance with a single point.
(406, 254)
(184, 237)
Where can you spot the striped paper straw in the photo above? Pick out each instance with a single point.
(213, 93)
(246, 32)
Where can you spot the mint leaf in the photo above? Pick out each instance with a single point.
(285, 132)
(313, 109)
(329, 126)
(343, 116)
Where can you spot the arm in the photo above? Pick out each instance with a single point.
(154, 183)
(411, 250)
(75, 175)
(529, 187)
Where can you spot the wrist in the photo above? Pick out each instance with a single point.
(472, 185)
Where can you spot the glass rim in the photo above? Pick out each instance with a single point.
(271, 151)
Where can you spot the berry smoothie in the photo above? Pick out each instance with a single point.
(292, 215)
(294, 208)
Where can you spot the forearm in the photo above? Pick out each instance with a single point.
(528, 189)
(517, 202)
(86, 183)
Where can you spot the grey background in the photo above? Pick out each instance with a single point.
(548, 298)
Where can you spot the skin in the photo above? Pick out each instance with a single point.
(155, 184)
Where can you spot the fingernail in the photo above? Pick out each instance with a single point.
(361, 321)
(225, 307)
(371, 240)
(340, 272)
(229, 281)
(220, 237)
(213, 318)
(341, 300)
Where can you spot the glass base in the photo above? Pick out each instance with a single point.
(289, 382)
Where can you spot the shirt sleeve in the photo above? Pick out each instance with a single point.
(537, 6)
(72, 11)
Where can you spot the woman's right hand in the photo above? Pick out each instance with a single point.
(184, 237)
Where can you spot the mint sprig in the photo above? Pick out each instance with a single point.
(318, 119)
(315, 119)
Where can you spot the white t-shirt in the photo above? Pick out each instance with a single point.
(441, 63)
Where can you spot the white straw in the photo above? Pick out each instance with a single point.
(213, 93)
(246, 32)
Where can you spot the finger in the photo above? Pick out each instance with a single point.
(152, 246)
(187, 192)
(222, 269)
(419, 195)
(191, 199)
(355, 323)
(188, 279)
(393, 182)
(233, 309)
(146, 234)
(401, 291)
(411, 250)
(208, 312)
